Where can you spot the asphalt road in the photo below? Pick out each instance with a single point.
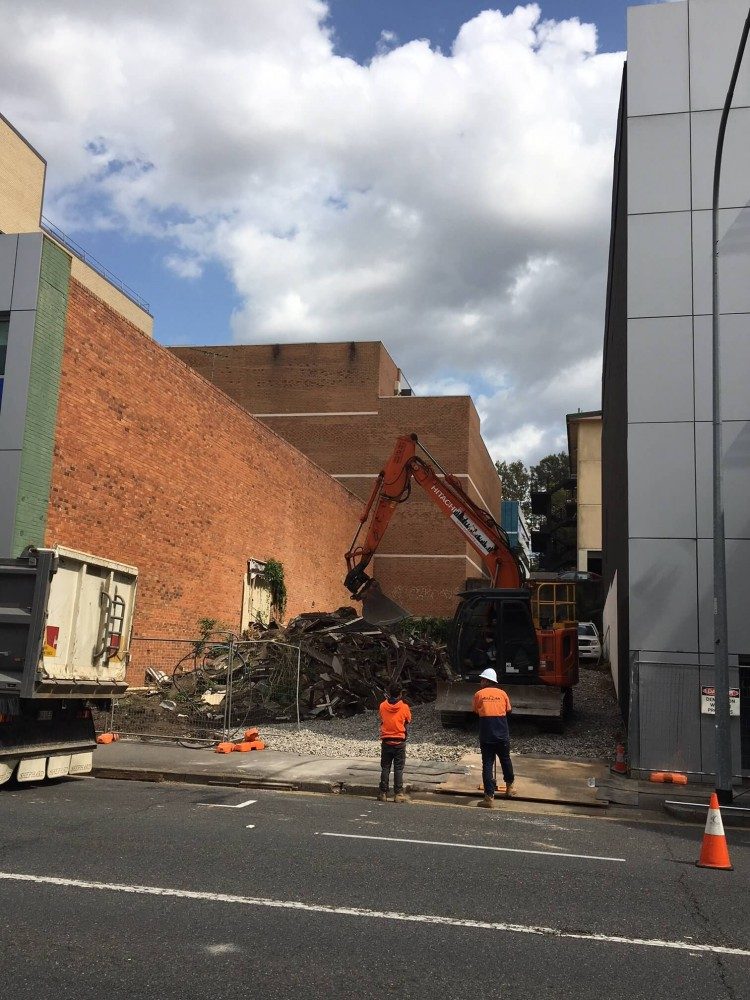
(119, 889)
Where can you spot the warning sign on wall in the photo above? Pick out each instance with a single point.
(708, 701)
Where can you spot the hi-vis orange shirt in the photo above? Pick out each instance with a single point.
(492, 705)
(394, 718)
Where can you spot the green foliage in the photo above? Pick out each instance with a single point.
(519, 481)
(550, 470)
(205, 626)
(516, 482)
(435, 629)
(273, 574)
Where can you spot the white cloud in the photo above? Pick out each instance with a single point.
(184, 267)
(454, 204)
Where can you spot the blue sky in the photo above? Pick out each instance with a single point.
(435, 174)
(359, 23)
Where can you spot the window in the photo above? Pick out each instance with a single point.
(584, 630)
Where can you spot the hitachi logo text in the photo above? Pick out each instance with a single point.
(443, 498)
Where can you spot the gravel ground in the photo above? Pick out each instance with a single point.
(591, 734)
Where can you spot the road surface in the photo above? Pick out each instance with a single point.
(123, 889)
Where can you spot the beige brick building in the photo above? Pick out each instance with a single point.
(585, 451)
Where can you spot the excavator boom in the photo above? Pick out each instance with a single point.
(392, 487)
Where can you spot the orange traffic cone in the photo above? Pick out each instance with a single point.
(619, 766)
(714, 851)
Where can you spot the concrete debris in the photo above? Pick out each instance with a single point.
(346, 665)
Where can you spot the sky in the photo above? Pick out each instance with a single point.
(435, 174)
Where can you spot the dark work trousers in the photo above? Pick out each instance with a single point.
(392, 753)
(501, 749)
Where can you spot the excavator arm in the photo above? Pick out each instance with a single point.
(393, 487)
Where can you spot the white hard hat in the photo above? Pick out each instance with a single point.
(489, 675)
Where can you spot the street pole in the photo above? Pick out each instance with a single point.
(721, 651)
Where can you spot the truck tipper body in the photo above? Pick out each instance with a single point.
(65, 624)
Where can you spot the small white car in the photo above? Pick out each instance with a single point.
(589, 643)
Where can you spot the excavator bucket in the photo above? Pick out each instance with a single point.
(379, 609)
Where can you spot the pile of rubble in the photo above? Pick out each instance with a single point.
(345, 668)
(345, 664)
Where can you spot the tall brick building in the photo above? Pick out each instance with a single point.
(343, 405)
(109, 444)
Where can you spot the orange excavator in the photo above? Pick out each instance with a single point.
(493, 625)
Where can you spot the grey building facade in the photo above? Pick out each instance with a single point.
(657, 451)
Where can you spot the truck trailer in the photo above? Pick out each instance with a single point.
(65, 624)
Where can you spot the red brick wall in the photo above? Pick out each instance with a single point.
(156, 467)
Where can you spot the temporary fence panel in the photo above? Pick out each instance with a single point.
(201, 691)
(669, 727)
(265, 683)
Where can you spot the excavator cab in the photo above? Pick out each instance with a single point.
(494, 628)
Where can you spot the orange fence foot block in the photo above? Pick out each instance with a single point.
(104, 738)
(224, 748)
(668, 777)
(251, 734)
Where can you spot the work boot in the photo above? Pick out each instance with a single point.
(399, 797)
(510, 791)
(488, 802)
(382, 797)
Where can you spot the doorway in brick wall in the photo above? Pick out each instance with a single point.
(256, 595)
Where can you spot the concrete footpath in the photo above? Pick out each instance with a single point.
(573, 783)
(578, 784)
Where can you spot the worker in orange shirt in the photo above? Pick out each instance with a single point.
(395, 716)
(493, 707)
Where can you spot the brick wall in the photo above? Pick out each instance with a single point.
(156, 467)
(296, 378)
(428, 583)
(334, 378)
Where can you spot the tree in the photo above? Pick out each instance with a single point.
(519, 481)
(550, 471)
(516, 483)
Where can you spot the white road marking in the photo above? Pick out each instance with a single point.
(250, 826)
(221, 805)
(354, 911)
(471, 847)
